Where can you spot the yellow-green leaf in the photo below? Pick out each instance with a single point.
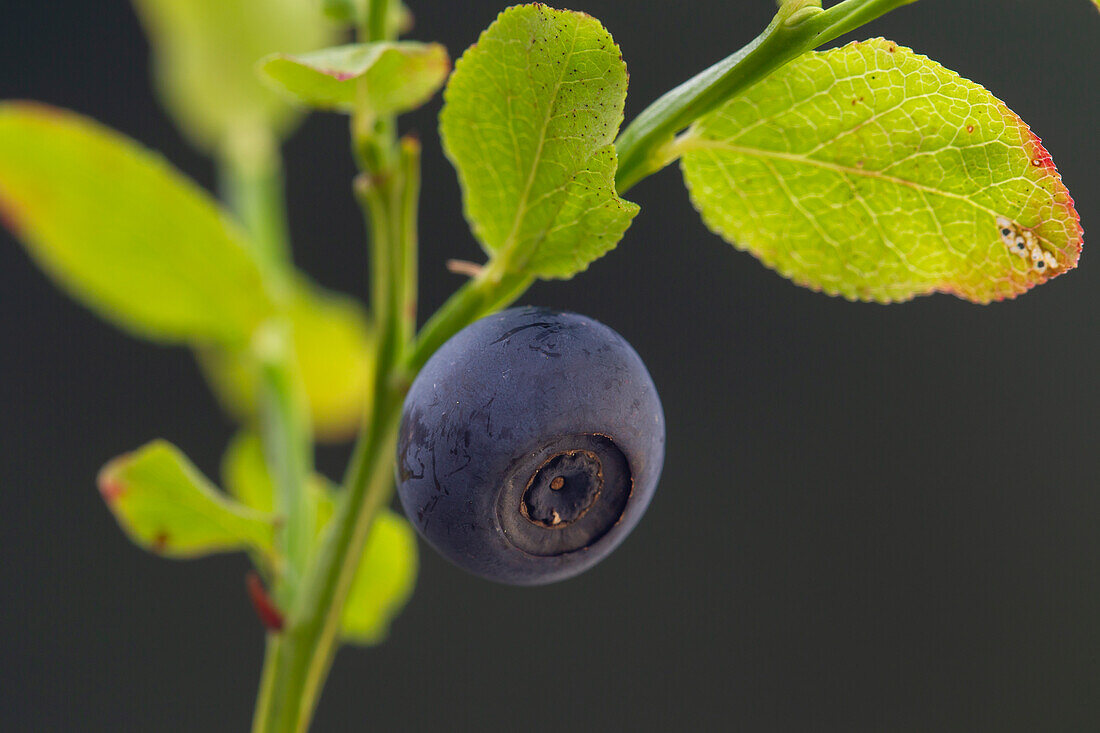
(165, 505)
(245, 475)
(334, 349)
(246, 478)
(384, 581)
(529, 120)
(382, 78)
(123, 231)
(205, 52)
(872, 172)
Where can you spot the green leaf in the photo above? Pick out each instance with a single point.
(334, 349)
(123, 231)
(245, 475)
(246, 478)
(529, 120)
(165, 505)
(204, 54)
(384, 581)
(387, 572)
(871, 172)
(384, 78)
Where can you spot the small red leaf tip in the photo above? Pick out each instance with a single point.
(269, 614)
(1062, 200)
(110, 488)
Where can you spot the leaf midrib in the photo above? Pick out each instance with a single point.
(521, 206)
(689, 144)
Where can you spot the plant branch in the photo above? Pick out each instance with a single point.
(288, 450)
(644, 147)
(250, 172)
(388, 187)
(300, 657)
(250, 167)
(481, 295)
(406, 240)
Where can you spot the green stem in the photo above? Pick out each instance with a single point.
(264, 704)
(406, 240)
(299, 659)
(339, 10)
(288, 450)
(250, 170)
(376, 25)
(645, 146)
(375, 195)
(250, 167)
(486, 293)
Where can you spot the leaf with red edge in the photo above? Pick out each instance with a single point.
(380, 78)
(874, 173)
(167, 506)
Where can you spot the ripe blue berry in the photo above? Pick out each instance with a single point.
(530, 445)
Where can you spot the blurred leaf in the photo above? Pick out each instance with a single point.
(166, 506)
(384, 581)
(123, 231)
(204, 54)
(246, 478)
(244, 473)
(334, 352)
(871, 172)
(530, 116)
(384, 78)
(387, 572)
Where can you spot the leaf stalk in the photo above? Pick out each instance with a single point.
(644, 147)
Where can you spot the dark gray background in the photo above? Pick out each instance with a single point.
(871, 518)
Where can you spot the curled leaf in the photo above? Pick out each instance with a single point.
(165, 505)
(384, 78)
